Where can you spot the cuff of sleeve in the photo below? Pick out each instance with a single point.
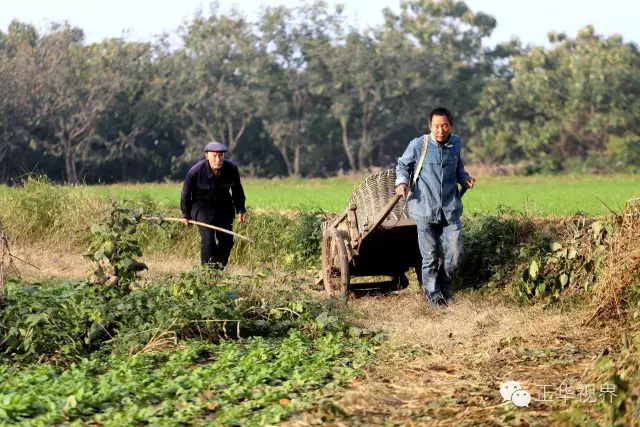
(401, 181)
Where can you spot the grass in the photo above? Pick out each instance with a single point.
(436, 367)
(538, 196)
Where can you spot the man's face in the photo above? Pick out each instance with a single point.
(440, 128)
(215, 159)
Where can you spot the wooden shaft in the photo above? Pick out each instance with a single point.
(198, 223)
(353, 224)
(339, 219)
(382, 215)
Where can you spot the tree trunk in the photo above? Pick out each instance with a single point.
(345, 143)
(233, 139)
(73, 168)
(67, 164)
(283, 151)
(362, 150)
(296, 160)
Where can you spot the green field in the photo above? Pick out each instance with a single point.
(538, 196)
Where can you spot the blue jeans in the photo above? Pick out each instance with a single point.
(432, 239)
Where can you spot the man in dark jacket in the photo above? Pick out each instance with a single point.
(206, 198)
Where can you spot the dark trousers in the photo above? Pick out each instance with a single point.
(215, 253)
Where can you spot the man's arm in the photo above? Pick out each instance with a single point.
(185, 198)
(238, 194)
(462, 176)
(406, 164)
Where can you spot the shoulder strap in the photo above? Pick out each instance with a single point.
(423, 154)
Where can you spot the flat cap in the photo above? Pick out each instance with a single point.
(215, 146)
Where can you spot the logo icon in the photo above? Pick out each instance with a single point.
(512, 391)
(508, 388)
(521, 398)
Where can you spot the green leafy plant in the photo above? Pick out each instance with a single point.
(553, 266)
(113, 248)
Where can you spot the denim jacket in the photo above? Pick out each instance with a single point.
(436, 192)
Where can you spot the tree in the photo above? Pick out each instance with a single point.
(218, 77)
(73, 90)
(450, 63)
(295, 78)
(16, 76)
(131, 111)
(563, 102)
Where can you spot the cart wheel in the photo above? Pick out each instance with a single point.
(335, 265)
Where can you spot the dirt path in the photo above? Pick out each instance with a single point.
(445, 367)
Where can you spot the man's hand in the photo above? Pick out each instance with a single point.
(469, 183)
(402, 190)
(186, 221)
(241, 217)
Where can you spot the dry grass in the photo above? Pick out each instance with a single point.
(445, 367)
(64, 263)
(621, 263)
(47, 263)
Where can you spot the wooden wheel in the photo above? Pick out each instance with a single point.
(335, 264)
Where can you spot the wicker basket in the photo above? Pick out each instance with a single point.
(370, 198)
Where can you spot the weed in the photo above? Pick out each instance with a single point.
(113, 248)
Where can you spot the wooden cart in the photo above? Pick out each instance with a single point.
(374, 236)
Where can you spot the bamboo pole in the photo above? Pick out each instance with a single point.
(213, 227)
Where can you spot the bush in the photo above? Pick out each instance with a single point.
(491, 247)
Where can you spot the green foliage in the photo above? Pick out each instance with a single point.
(113, 247)
(74, 319)
(252, 382)
(552, 267)
(42, 321)
(491, 244)
(573, 104)
(307, 236)
(299, 91)
(193, 348)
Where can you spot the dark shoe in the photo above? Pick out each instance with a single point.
(448, 296)
(436, 300)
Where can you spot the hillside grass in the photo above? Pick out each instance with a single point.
(539, 196)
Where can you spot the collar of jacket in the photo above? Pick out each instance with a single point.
(448, 143)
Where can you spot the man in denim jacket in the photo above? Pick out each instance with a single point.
(435, 202)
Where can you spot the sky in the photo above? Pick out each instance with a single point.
(529, 20)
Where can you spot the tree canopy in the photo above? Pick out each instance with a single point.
(300, 92)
